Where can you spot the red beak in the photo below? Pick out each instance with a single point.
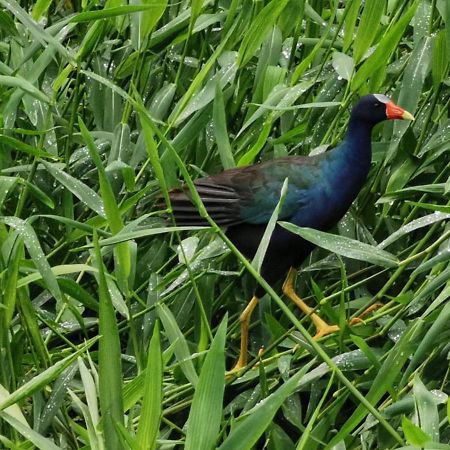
(395, 112)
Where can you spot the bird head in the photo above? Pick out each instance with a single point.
(374, 108)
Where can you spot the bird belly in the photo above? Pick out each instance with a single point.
(285, 249)
(246, 237)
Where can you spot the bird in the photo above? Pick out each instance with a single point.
(321, 189)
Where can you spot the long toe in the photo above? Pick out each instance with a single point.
(360, 318)
(237, 368)
(325, 330)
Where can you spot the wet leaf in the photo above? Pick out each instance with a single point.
(344, 246)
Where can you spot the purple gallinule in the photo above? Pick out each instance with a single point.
(321, 189)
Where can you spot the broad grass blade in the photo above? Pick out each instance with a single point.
(386, 376)
(151, 411)
(28, 433)
(248, 430)
(220, 130)
(344, 246)
(27, 233)
(206, 406)
(42, 379)
(176, 337)
(113, 215)
(264, 244)
(368, 27)
(88, 196)
(384, 50)
(427, 410)
(110, 367)
(259, 29)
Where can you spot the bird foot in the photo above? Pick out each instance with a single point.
(356, 321)
(360, 318)
(325, 330)
(233, 373)
(236, 368)
(242, 364)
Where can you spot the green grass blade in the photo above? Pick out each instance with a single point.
(176, 338)
(6, 184)
(121, 251)
(221, 132)
(414, 435)
(440, 59)
(416, 224)
(344, 246)
(264, 244)
(427, 410)
(206, 411)
(259, 29)
(129, 235)
(368, 27)
(247, 431)
(42, 379)
(110, 204)
(29, 434)
(13, 410)
(56, 398)
(41, 35)
(153, 155)
(343, 65)
(384, 379)
(40, 8)
(10, 290)
(30, 321)
(89, 197)
(146, 20)
(90, 390)
(249, 156)
(351, 11)
(23, 147)
(196, 83)
(27, 233)
(429, 340)
(414, 78)
(206, 95)
(110, 367)
(445, 13)
(91, 411)
(26, 86)
(384, 49)
(151, 411)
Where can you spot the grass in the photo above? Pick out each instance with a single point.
(116, 326)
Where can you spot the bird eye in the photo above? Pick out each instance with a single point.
(376, 104)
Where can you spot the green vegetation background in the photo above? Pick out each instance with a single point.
(115, 327)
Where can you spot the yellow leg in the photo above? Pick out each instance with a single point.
(321, 326)
(245, 322)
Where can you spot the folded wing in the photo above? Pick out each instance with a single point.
(244, 195)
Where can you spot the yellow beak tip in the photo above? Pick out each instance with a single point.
(407, 116)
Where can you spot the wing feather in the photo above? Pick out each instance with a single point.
(221, 201)
(245, 194)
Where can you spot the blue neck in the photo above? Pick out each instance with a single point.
(357, 144)
(348, 164)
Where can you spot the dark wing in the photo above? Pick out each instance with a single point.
(221, 202)
(247, 194)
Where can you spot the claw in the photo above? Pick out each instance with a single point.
(367, 311)
(322, 327)
(325, 330)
